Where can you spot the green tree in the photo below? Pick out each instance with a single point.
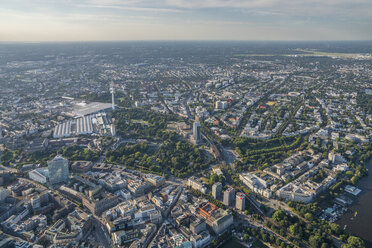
(354, 242)
(315, 241)
(336, 229)
(308, 216)
(324, 245)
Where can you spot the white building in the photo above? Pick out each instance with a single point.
(63, 130)
(39, 175)
(256, 184)
(84, 125)
(293, 192)
(336, 158)
(197, 184)
(123, 193)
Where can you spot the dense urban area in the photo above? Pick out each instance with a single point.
(183, 144)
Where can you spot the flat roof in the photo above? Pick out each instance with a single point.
(91, 108)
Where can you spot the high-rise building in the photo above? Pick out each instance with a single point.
(58, 170)
(240, 201)
(217, 190)
(112, 91)
(113, 130)
(197, 131)
(228, 196)
(221, 105)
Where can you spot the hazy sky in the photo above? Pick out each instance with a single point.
(74, 20)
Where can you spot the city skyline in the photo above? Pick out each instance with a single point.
(203, 144)
(103, 20)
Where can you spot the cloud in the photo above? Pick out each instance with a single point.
(131, 5)
(260, 3)
(185, 19)
(139, 9)
(17, 17)
(220, 3)
(356, 8)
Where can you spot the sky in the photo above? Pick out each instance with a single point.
(95, 20)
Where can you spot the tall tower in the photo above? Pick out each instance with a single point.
(112, 91)
(228, 196)
(197, 130)
(58, 170)
(240, 201)
(216, 190)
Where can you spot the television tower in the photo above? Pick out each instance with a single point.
(112, 91)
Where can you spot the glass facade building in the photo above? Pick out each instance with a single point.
(58, 170)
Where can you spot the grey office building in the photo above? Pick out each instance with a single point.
(228, 196)
(217, 190)
(240, 201)
(197, 131)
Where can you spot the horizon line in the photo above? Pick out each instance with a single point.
(179, 40)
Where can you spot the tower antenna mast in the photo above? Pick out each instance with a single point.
(112, 91)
